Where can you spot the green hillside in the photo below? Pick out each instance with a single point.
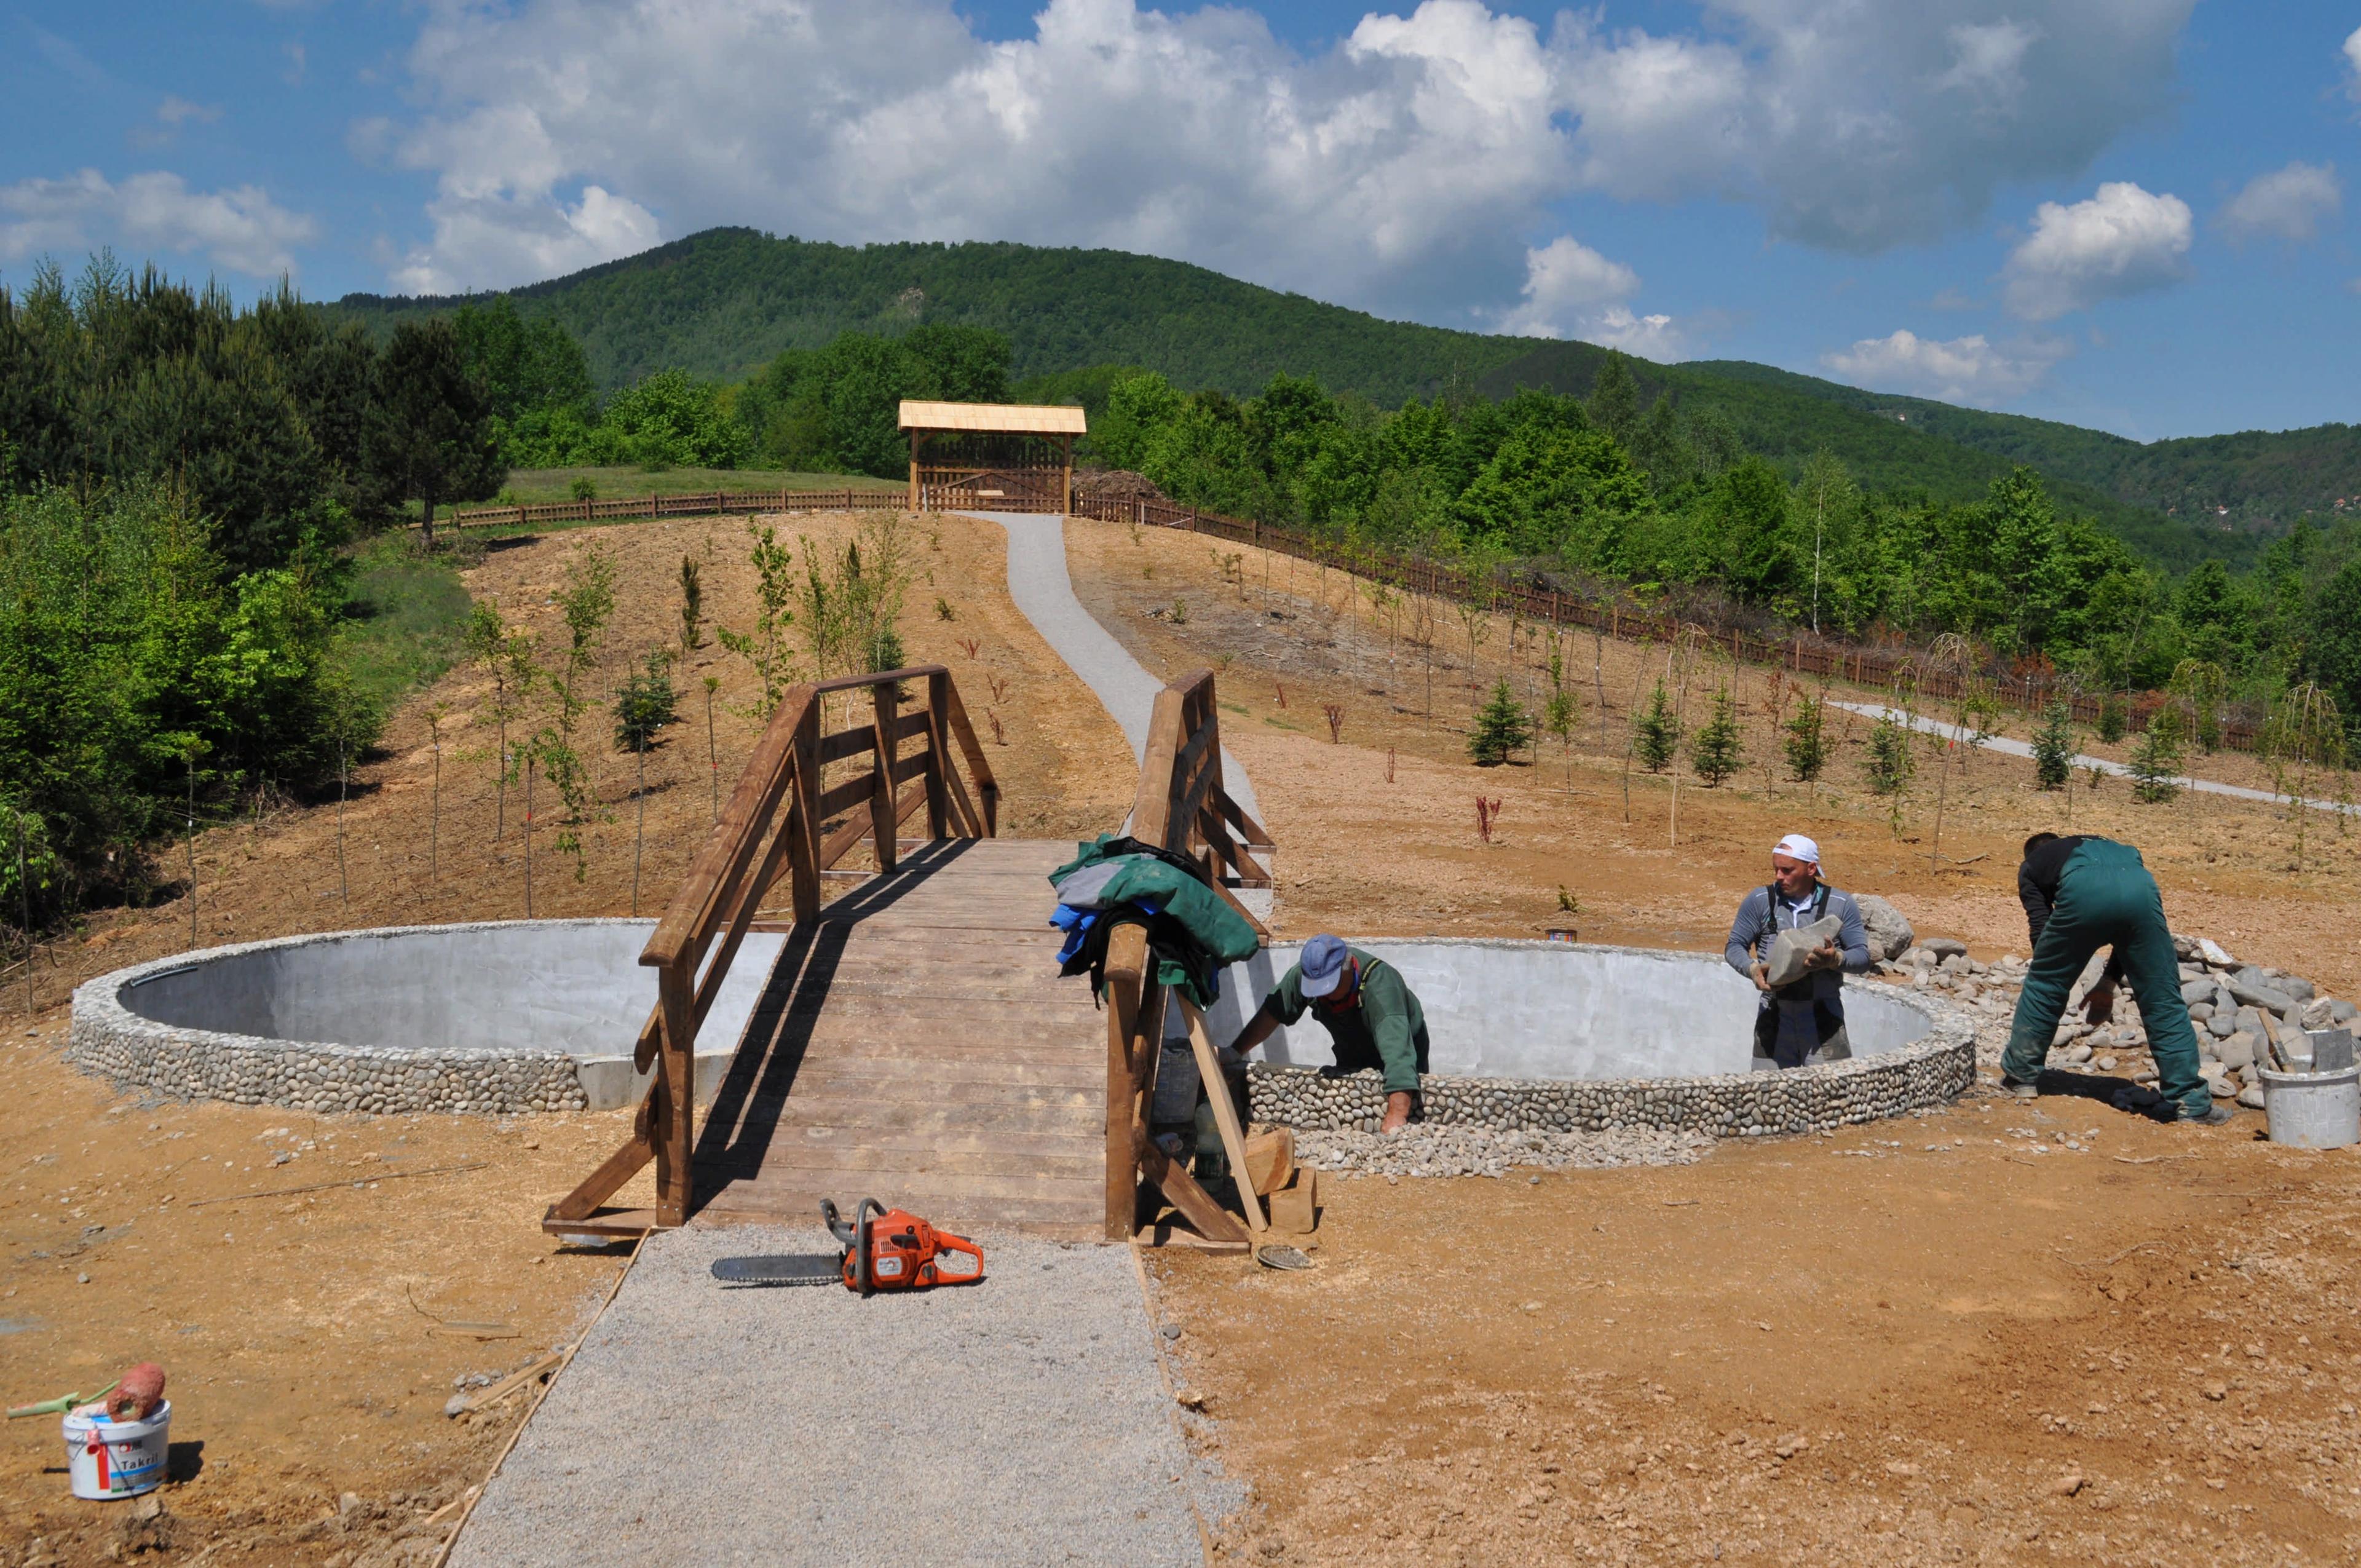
(723, 302)
(2249, 480)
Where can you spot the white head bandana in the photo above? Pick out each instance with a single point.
(1794, 846)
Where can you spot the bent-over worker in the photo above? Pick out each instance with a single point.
(2081, 893)
(1801, 1023)
(1374, 1018)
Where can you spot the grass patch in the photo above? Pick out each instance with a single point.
(403, 619)
(530, 486)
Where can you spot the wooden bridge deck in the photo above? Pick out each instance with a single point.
(916, 1045)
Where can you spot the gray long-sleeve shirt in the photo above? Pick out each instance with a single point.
(1761, 917)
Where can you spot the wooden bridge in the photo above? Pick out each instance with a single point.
(914, 1042)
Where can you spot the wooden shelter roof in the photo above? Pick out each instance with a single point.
(997, 419)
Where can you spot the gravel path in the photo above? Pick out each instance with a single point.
(1040, 587)
(2007, 746)
(1020, 1421)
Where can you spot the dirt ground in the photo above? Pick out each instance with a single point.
(1991, 1333)
(1604, 1363)
(300, 1334)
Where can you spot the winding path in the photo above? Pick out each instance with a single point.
(2008, 748)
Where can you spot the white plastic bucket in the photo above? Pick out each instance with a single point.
(117, 1459)
(2313, 1110)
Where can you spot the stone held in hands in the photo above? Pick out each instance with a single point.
(1792, 949)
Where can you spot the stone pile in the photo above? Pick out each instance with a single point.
(2241, 1012)
(1427, 1148)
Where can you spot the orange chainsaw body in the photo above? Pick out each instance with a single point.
(904, 1253)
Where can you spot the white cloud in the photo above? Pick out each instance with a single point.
(527, 239)
(241, 229)
(1962, 370)
(2122, 241)
(1571, 290)
(1391, 170)
(2286, 204)
(1565, 282)
(2352, 63)
(1657, 338)
(171, 115)
(1859, 127)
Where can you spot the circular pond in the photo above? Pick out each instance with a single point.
(500, 1017)
(1563, 1036)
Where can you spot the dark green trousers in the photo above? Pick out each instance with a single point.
(2107, 899)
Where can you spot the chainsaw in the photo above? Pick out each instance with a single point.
(884, 1249)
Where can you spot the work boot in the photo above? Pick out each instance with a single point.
(2215, 1113)
(2019, 1088)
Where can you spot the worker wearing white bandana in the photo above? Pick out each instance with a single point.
(1801, 1022)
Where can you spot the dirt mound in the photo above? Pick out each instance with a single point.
(1116, 485)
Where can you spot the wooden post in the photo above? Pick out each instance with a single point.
(677, 1078)
(1126, 985)
(803, 859)
(1066, 496)
(938, 753)
(881, 813)
(917, 437)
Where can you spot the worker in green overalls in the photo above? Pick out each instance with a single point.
(1371, 1016)
(2081, 894)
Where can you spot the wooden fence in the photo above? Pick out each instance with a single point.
(685, 503)
(1181, 806)
(1886, 667)
(780, 798)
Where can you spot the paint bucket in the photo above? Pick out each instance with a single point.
(2313, 1110)
(117, 1459)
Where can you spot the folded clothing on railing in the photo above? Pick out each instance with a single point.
(1117, 881)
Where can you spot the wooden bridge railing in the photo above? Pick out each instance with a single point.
(777, 824)
(1181, 806)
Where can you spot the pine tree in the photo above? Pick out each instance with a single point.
(2114, 722)
(1501, 727)
(646, 703)
(1807, 741)
(2053, 748)
(1717, 753)
(1889, 764)
(2155, 757)
(1656, 734)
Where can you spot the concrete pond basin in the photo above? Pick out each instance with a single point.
(501, 1018)
(522, 1016)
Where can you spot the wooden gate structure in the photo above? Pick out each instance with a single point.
(992, 456)
(781, 808)
(913, 1034)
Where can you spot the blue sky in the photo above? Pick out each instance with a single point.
(2129, 215)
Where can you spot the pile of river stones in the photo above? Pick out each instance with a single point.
(1433, 1148)
(2240, 1011)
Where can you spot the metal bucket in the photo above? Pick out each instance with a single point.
(2313, 1110)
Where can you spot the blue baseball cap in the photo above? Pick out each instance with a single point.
(1322, 965)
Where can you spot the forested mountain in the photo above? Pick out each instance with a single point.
(2248, 480)
(727, 301)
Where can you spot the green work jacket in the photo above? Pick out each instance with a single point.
(1384, 1028)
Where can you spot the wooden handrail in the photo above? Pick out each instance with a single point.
(1181, 806)
(775, 825)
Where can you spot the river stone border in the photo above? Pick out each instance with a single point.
(108, 1040)
(1931, 1070)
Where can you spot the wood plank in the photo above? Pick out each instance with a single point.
(824, 1158)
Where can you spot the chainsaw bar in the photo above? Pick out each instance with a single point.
(782, 1268)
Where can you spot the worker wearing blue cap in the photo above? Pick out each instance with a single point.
(1371, 1016)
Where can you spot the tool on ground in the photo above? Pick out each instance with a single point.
(1269, 1253)
(63, 1403)
(884, 1249)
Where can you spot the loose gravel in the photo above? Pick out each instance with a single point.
(1431, 1150)
(1020, 1421)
